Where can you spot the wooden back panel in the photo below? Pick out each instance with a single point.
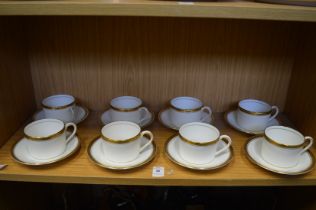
(16, 91)
(301, 101)
(219, 61)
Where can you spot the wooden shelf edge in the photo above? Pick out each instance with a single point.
(234, 10)
(157, 181)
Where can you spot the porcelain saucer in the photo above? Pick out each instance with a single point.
(81, 114)
(106, 118)
(252, 149)
(231, 119)
(171, 149)
(96, 155)
(21, 155)
(164, 118)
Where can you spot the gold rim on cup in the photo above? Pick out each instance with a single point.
(121, 141)
(190, 166)
(309, 169)
(126, 110)
(40, 138)
(123, 167)
(185, 110)
(198, 143)
(254, 113)
(58, 107)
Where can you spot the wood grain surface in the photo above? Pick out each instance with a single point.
(79, 169)
(301, 101)
(16, 91)
(234, 9)
(219, 61)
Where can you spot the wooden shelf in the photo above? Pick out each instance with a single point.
(79, 169)
(239, 10)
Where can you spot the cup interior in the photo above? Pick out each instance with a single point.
(254, 105)
(284, 135)
(126, 102)
(199, 132)
(120, 130)
(58, 100)
(43, 128)
(186, 103)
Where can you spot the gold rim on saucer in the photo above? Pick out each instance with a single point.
(150, 158)
(244, 131)
(143, 126)
(86, 110)
(174, 127)
(44, 163)
(197, 167)
(253, 161)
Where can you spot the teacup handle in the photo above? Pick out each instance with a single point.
(144, 111)
(73, 132)
(151, 138)
(227, 145)
(276, 112)
(206, 109)
(311, 141)
(72, 110)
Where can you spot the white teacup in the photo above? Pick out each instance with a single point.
(128, 108)
(199, 142)
(47, 138)
(255, 115)
(187, 109)
(61, 107)
(122, 141)
(283, 146)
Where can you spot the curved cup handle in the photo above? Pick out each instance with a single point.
(276, 112)
(311, 141)
(73, 112)
(73, 132)
(151, 138)
(227, 145)
(209, 116)
(143, 113)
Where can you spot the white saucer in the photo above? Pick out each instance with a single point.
(81, 114)
(106, 118)
(230, 118)
(171, 149)
(164, 118)
(95, 154)
(252, 149)
(21, 155)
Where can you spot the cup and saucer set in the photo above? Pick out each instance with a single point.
(46, 140)
(252, 116)
(128, 108)
(62, 107)
(121, 146)
(199, 146)
(281, 150)
(183, 110)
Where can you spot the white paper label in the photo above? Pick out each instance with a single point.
(158, 171)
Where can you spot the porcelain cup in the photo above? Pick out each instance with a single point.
(283, 146)
(199, 142)
(47, 138)
(128, 108)
(122, 141)
(254, 115)
(61, 107)
(187, 109)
